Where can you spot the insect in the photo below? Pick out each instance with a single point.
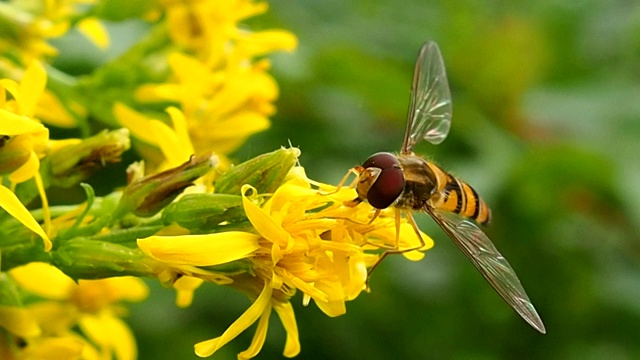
(410, 183)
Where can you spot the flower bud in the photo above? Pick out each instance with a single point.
(84, 258)
(204, 211)
(147, 196)
(73, 163)
(265, 172)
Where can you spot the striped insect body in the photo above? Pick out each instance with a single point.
(408, 183)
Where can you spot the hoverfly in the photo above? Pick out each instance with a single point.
(409, 182)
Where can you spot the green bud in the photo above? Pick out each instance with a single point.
(84, 258)
(265, 172)
(203, 212)
(147, 196)
(74, 163)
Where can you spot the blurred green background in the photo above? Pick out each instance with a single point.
(546, 127)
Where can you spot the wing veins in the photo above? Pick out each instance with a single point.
(429, 116)
(477, 247)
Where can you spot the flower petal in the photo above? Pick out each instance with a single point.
(32, 86)
(227, 134)
(94, 30)
(27, 170)
(166, 139)
(122, 339)
(11, 204)
(414, 255)
(259, 336)
(174, 143)
(54, 317)
(184, 287)
(267, 41)
(262, 222)
(44, 280)
(128, 288)
(13, 124)
(333, 303)
(136, 122)
(207, 348)
(54, 348)
(52, 111)
(110, 333)
(200, 250)
(288, 318)
(18, 321)
(181, 129)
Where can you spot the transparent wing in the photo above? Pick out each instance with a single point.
(491, 264)
(429, 115)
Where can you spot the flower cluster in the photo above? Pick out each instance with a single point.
(211, 73)
(27, 26)
(189, 92)
(24, 143)
(302, 238)
(44, 328)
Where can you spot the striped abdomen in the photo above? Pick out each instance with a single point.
(459, 197)
(426, 185)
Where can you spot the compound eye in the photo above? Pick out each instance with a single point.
(389, 184)
(381, 160)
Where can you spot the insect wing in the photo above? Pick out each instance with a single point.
(430, 110)
(491, 264)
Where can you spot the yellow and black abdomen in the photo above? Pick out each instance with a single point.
(459, 197)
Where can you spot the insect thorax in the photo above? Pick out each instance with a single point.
(420, 182)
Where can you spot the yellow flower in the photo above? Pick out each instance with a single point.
(92, 305)
(92, 28)
(52, 111)
(223, 108)
(24, 142)
(224, 93)
(68, 346)
(32, 24)
(211, 29)
(303, 240)
(17, 320)
(173, 141)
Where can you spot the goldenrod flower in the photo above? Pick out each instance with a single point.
(211, 29)
(92, 305)
(172, 140)
(223, 106)
(303, 240)
(24, 142)
(225, 94)
(29, 25)
(260, 228)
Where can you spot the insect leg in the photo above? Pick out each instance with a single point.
(353, 170)
(396, 250)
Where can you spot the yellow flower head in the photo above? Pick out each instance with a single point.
(211, 29)
(92, 305)
(32, 23)
(224, 92)
(304, 240)
(24, 142)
